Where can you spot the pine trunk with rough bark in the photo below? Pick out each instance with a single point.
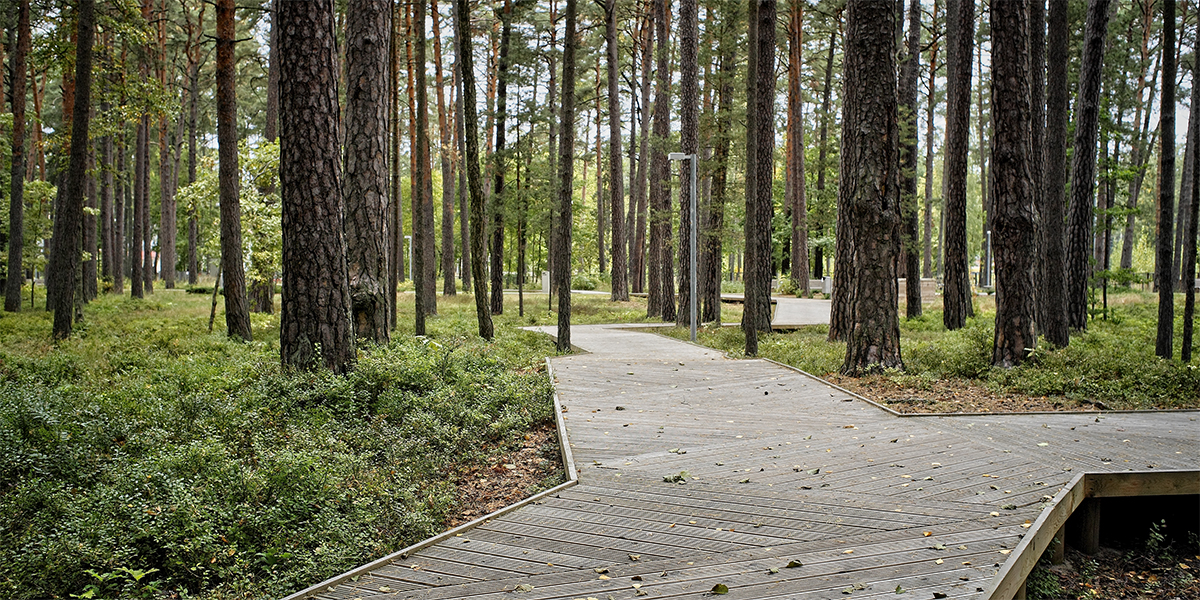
(639, 255)
(910, 209)
(1189, 237)
(1052, 295)
(566, 176)
(822, 166)
(498, 164)
(474, 178)
(1163, 342)
(1083, 164)
(315, 328)
(137, 274)
(956, 295)
(689, 133)
(1012, 185)
(365, 174)
(760, 205)
(237, 306)
(620, 263)
(869, 190)
(445, 158)
(931, 104)
(713, 226)
(16, 205)
(748, 318)
(796, 148)
(1037, 135)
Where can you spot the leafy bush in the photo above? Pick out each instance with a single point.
(144, 458)
(585, 281)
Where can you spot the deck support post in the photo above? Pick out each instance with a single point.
(1058, 553)
(1085, 527)
(1020, 595)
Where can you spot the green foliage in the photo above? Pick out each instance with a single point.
(585, 281)
(1042, 584)
(144, 457)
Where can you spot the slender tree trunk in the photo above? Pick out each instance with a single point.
(237, 307)
(759, 204)
(661, 300)
(749, 320)
(498, 164)
(193, 117)
(639, 253)
(836, 314)
(395, 198)
(90, 285)
(119, 212)
(16, 204)
(422, 285)
(1052, 294)
(445, 152)
(620, 266)
(909, 205)
(1181, 213)
(1141, 153)
(1189, 236)
(795, 169)
(713, 227)
(985, 252)
(931, 103)
(137, 287)
(107, 268)
(601, 213)
(1083, 164)
(956, 297)
(689, 133)
(1166, 199)
(365, 181)
(566, 175)
(64, 256)
(474, 179)
(869, 189)
(1012, 196)
(315, 326)
(464, 230)
(1037, 131)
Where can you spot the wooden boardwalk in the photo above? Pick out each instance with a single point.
(779, 468)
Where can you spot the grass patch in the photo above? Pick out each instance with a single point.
(146, 457)
(1113, 362)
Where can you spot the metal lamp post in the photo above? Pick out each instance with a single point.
(691, 158)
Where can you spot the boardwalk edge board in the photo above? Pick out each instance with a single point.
(1011, 577)
(572, 480)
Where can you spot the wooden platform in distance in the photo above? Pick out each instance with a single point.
(776, 467)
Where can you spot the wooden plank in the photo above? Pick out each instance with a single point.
(1142, 483)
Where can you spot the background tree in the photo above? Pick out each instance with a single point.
(445, 157)
(16, 198)
(1052, 294)
(422, 189)
(956, 295)
(315, 328)
(660, 300)
(869, 189)
(1012, 185)
(365, 176)
(237, 306)
(498, 163)
(620, 266)
(910, 218)
(1083, 164)
(566, 177)
(689, 126)
(796, 200)
(1188, 270)
(1166, 196)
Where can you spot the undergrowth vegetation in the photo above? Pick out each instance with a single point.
(145, 457)
(1112, 363)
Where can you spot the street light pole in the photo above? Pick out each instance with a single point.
(691, 158)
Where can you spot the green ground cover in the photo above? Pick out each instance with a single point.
(1113, 362)
(145, 457)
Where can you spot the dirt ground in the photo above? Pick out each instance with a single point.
(1131, 574)
(509, 476)
(951, 396)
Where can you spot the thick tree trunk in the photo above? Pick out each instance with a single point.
(956, 295)
(1037, 134)
(365, 182)
(869, 189)
(748, 318)
(760, 205)
(910, 209)
(474, 179)
(1083, 164)
(620, 266)
(1012, 196)
(64, 257)
(1052, 294)
(1166, 198)
(498, 164)
(237, 307)
(689, 133)
(16, 204)
(464, 229)
(661, 299)
(315, 326)
(566, 175)
(798, 202)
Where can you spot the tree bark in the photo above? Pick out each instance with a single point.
(90, 248)
(566, 175)
(65, 254)
(837, 313)
(1012, 181)
(474, 179)
(1189, 236)
(365, 182)
(795, 169)
(620, 266)
(16, 203)
(910, 209)
(498, 164)
(1083, 164)
(869, 189)
(760, 205)
(956, 295)
(927, 262)
(749, 330)
(195, 34)
(445, 152)
(639, 256)
(1163, 341)
(689, 133)
(237, 307)
(395, 198)
(421, 202)
(315, 327)
(137, 273)
(1037, 134)
(713, 227)
(661, 299)
(1052, 294)
(1181, 213)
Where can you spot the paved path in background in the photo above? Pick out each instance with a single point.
(779, 467)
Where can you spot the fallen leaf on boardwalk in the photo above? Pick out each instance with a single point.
(938, 561)
(1042, 444)
(848, 552)
(385, 589)
(744, 481)
(963, 547)
(692, 522)
(939, 595)
(681, 478)
(639, 593)
(524, 587)
(795, 563)
(926, 533)
(773, 571)
(899, 590)
(994, 514)
(637, 586)
(600, 570)
(1009, 506)
(673, 450)
(720, 589)
(939, 546)
(635, 557)
(604, 577)
(814, 471)
(636, 578)
(1005, 551)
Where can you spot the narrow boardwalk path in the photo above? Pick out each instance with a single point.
(780, 468)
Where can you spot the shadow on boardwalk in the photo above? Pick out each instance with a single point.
(775, 467)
